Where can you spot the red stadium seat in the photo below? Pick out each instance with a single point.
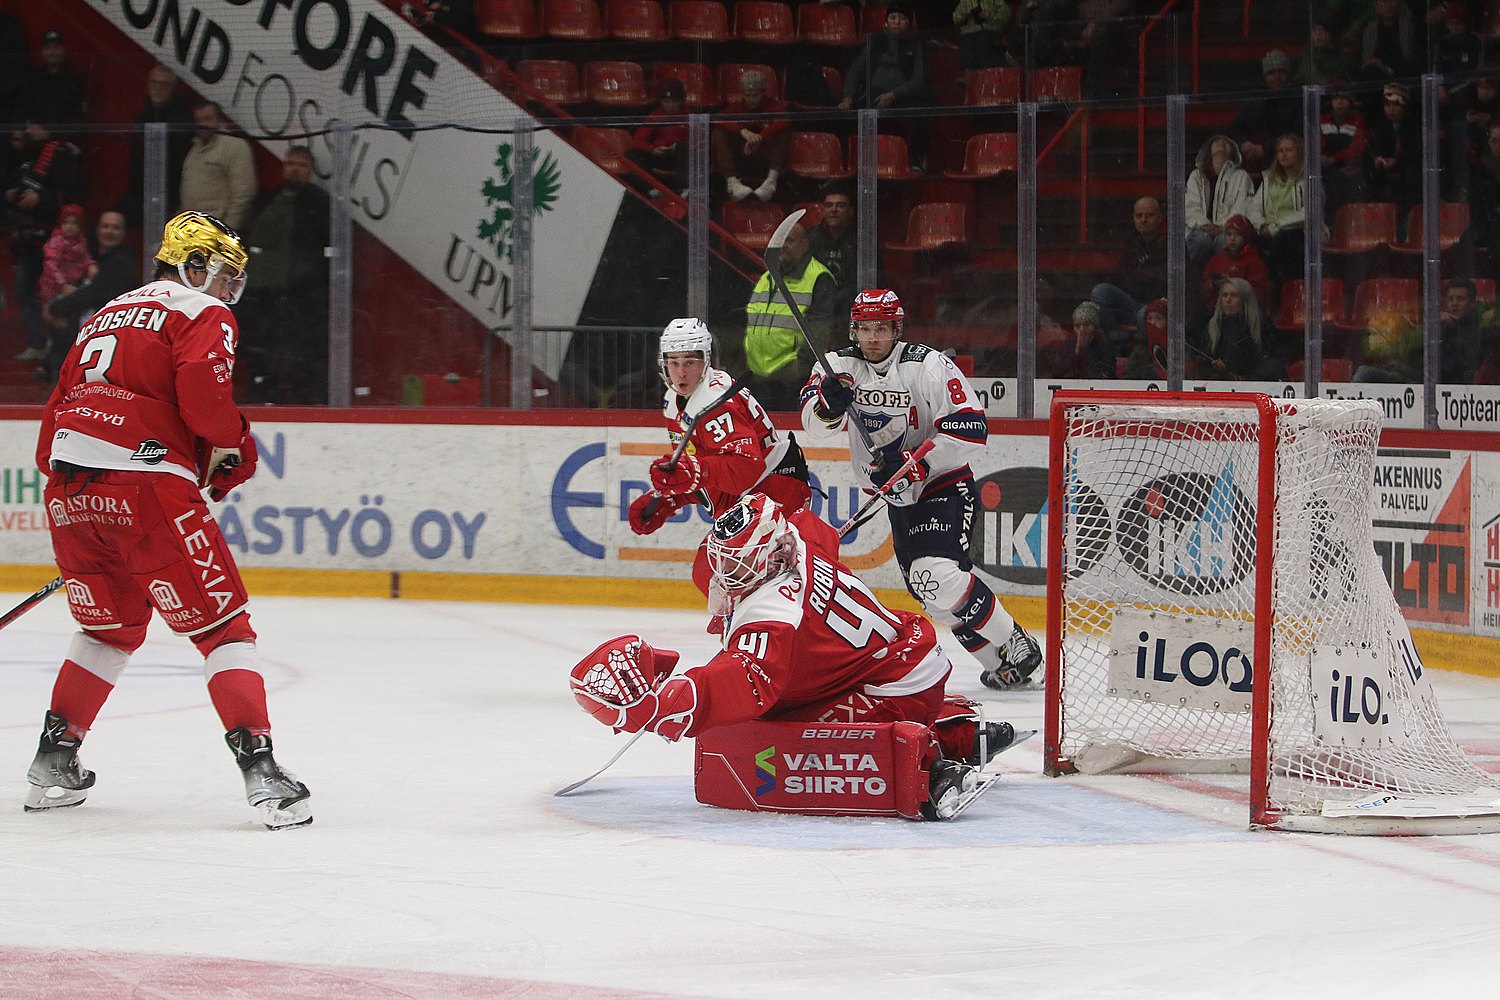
(575, 20)
(605, 146)
(1385, 296)
(1056, 83)
(556, 80)
(987, 154)
(1485, 289)
(1453, 221)
(1334, 370)
(752, 222)
(934, 224)
(814, 210)
(1291, 313)
(1361, 227)
(507, 18)
(763, 22)
(729, 79)
(615, 84)
(819, 155)
(637, 20)
(696, 79)
(827, 24)
(892, 161)
(872, 17)
(699, 21)
(995, 85)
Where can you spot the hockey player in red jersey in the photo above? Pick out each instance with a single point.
(142, 418)
(806, 641)
(732, 448)
(904, 395)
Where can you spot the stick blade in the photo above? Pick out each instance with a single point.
(778, 238)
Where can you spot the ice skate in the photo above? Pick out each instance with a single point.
(1013, 664)
(57, 780)
(994, 737)
(276, 793)
(949, 784)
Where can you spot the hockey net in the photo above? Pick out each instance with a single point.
(1193, 535)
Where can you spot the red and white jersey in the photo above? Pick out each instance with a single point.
(806, 637)
(147, 385)
(914, 395)
(736, 446)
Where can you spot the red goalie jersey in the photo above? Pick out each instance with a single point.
(147, 386)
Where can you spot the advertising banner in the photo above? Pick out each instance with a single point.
(1422, 536)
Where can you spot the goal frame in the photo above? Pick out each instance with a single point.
(1263, 813)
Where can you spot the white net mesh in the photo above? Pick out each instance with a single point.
(1159, 606)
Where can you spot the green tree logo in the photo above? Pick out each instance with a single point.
(546, 181)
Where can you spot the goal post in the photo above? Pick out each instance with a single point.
(1216, 604)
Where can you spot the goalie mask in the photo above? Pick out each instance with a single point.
(749, 543)
(687, 335)
(194, 241)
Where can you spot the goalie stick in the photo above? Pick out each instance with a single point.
(773, 268)
(31, 602)
(867, 509)
(687, 432)
(567, 789)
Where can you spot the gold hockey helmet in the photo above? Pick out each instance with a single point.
(197, 240)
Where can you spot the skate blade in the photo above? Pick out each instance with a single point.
(280, 815)
(956, 798)
(968, 798)
(40, 799)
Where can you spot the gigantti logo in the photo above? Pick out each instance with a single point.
(1010, 533)
(1188, 532)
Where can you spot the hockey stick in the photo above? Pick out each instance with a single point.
(31, 602)
(867, 508)
(687, 433)
(773, 268)
(566, 789)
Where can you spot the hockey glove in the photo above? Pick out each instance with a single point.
(682, 479)
(896, 476)
(641, 523)
(625, 685)
(234, 467)
(835, 396)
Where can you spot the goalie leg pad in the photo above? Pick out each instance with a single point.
(857, 769)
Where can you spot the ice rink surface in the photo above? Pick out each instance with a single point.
(441, 865)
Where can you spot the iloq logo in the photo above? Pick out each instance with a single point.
(1188, 532)
(1181, 660)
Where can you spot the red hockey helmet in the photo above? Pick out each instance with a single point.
(876, 304)
(744, 541)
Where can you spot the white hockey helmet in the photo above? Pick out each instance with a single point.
(747, 543)
(876, 304)
(686, 334)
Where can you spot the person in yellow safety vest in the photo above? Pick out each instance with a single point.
(775, 351)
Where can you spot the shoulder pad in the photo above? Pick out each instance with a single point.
(914, 352)
(852, 351)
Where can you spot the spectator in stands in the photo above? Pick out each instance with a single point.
(1234, 343)
(15, 60)
(66, 262)
(1093, 353)
(114, 273)
(45, 178)
(890, 70)
(1465, 343)
(165, 104)
(285, 309)
(1466, 112)
(1344, 141)
(1240, 258)
(750, 154)
(218, 173)
(1392, 350)
(1147, 360)
(1484, 195)
(1324, 61)
(1142, 277)
(1278, 213)
(660, 145)
(775, 351)
(1394, 155)
(981, 33)
(54, 92)
(1262, 119)
(1392, 43)
(1458, 50)
(835, 243)
(1216, 189)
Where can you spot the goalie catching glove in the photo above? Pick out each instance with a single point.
(232, 466)
(625, 684)
(676, 480)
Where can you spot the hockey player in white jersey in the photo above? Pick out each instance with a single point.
(905, 394)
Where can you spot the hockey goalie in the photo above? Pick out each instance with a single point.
(822, 699)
